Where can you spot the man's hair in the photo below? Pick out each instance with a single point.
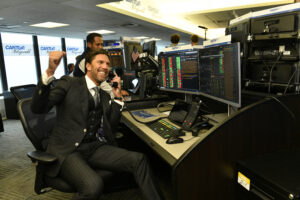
(194, 38)
(91, 55)
(70, 65)
(90, 37)
(175, 38)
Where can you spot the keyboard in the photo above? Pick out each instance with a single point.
(164, 128)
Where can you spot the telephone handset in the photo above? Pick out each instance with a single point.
(191, 116)
(111, 75)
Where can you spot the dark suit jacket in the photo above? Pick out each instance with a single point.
(70, 96)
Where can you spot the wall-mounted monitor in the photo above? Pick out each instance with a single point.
(132, 50)
(116, 57)
(150, 48)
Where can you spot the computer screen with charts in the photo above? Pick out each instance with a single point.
(220, 73)
(179, 72)
(212, 72)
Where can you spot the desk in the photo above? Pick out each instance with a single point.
(205, 167)
(169, 152)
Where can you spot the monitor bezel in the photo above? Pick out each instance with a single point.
(236, 104)
(232, 103)
(184, 91)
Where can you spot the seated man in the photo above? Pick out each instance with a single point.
(83, 138)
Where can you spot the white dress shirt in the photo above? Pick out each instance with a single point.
(90, 84)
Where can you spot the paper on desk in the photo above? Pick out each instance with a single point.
(167, 113)
(143, 114)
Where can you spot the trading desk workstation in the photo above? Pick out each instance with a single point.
(204, 165)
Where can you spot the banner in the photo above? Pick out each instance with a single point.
(18, 49)
(74, 51)
(45, 49)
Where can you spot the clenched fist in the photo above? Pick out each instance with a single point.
(54, 60)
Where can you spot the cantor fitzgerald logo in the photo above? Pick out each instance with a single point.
(13, 50)
(74, 50)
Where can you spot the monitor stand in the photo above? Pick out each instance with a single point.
(188, 98)
(231, 110)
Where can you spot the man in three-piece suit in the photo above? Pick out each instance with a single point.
(87, 117)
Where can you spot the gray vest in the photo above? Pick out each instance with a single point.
(94, 120)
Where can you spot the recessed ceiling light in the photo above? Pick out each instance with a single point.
(152, 39)
(141, 37)
(49, 25)
(103, 32)
(1, 18)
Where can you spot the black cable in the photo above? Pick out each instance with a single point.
(286, 108)
(164, 104)
(271, 71)
(290, 81)
(190, 138)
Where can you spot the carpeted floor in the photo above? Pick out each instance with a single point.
(17, 172)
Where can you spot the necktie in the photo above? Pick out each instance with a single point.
(96, 96)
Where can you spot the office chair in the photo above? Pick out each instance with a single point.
(37, 128)
(23, 91)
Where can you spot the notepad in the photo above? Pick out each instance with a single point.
(143, 114)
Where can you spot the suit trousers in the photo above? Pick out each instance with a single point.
(78, 170)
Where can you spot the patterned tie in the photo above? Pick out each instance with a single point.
(96, 96)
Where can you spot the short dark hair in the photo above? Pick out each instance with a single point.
(175, 38)
(90, 37)
(195, 38)
(91, 55)
(70, 65)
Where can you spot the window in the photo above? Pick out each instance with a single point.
(19, 59)
(47, 44)
(74, 47)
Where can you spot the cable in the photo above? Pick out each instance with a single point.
(290, 80)
(164, 104)
(271, 71)
(286, 108)
(190, 138)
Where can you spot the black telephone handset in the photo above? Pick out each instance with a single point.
(191, 116)
(111, 75)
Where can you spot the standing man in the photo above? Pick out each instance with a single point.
(175, 38)
(194, 40)
(83, 137)
(94, 42)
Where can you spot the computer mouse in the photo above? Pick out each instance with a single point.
(174, 140)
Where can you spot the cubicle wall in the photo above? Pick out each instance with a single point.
(208, 170)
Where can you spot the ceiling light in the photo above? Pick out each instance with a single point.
(49, 25)
(141, 37)
(103, 32)
(151, 39)
(1, 18)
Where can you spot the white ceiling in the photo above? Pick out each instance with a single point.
(83, 16)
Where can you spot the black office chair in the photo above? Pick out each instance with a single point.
(38, 127)
(23, 91)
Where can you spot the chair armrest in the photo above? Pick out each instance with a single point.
(41, 156)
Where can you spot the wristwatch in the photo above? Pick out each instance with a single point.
(118, 98)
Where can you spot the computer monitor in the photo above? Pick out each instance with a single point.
(150, 48)
(116, 57)
(220, 73)
(179, 72)
(212, 72)
(132, 50)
